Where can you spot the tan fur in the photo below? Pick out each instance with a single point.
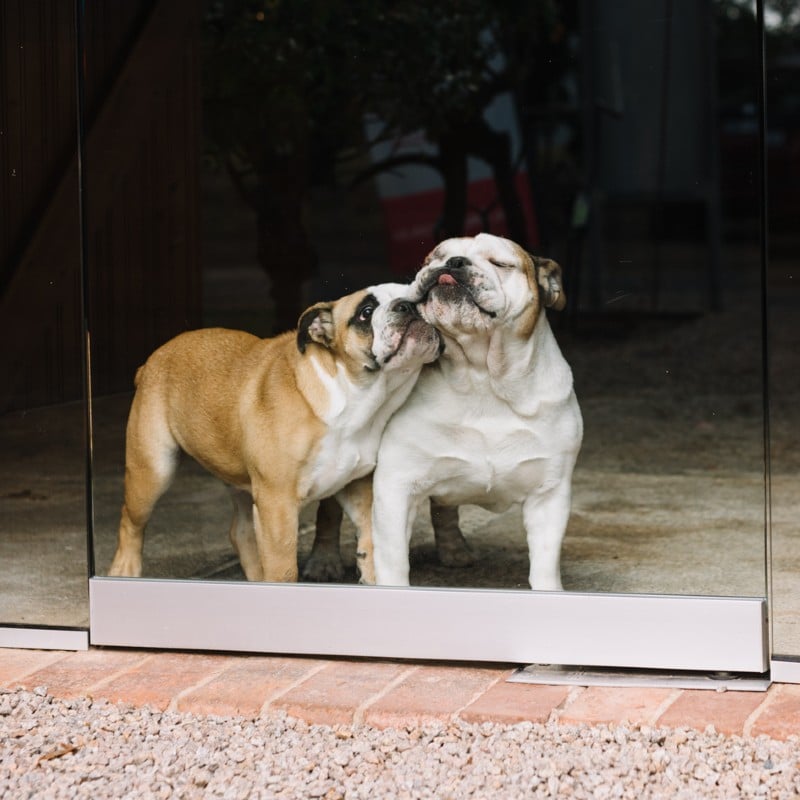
(544, 279)
(194, 388)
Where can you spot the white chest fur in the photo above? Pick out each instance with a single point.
(355, 417)
(487, 455)
(338, 460)
(467, 437)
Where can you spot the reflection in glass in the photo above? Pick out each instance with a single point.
(329, 155)
(42, 432)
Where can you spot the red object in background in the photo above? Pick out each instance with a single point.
(411, 220)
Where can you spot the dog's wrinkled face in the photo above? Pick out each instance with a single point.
(472, 285)
(374, 329)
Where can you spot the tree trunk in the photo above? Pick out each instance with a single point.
(453, 161)
(495, 149)
(285, 250)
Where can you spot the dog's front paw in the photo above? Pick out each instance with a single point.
(323, 567)
(125, 565)
(366, 569)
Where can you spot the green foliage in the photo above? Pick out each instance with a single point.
(272, 76)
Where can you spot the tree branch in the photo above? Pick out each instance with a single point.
(394, 162)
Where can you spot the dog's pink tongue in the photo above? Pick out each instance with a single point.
(444, 278)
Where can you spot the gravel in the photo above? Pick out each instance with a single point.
(52, 748)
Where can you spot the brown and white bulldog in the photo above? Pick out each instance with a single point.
(284, 421)
(494, 422)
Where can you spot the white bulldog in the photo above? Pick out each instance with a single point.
(494, 421)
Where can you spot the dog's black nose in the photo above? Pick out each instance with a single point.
(404, 307)
(457, 261)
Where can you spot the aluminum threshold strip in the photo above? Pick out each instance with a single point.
(785, 669)
(44, 638)
(523, 627)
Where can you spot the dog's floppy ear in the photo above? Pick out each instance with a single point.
(315, 325)
(548, 276)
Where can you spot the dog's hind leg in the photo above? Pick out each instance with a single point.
(243, 535)
(151, 457)
(325, 561)
(451, 546)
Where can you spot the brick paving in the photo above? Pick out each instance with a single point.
(382, 693)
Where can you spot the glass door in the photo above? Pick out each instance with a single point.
(783, 103)
(252, 159)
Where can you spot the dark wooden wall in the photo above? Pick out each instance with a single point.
(142, 127)
(39, 276)
(142, 160)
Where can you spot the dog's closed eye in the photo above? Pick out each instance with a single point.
(501, 264)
